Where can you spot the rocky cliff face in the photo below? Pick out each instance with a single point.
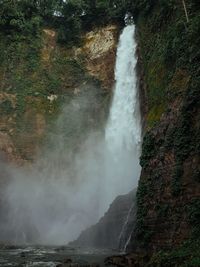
(37, 78)
(168, 196)
(100, 51)
(113, 228)
(166, 232)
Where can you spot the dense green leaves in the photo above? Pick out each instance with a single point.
(70, 17)
(19, 16)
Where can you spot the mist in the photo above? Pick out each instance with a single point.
(81, 169)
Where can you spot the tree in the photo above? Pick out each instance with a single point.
(19, 16)
(71, 24)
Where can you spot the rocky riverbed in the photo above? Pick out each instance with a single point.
(43, 256)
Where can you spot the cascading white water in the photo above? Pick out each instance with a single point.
(126, 222)
(123, 130)
(65, 192)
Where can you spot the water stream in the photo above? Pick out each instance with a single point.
(49, 256)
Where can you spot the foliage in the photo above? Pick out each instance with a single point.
(194, 217)
(143, 234)
(162, 209)
(169, 48)
(6, 107)
(148, 149)
(19, 17)
(80, 15)
(185, 256)
(69, 17)
(176, 179)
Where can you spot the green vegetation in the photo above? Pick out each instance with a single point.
(33, 67)
(176, 179)
(148, 149)
(169, 48)
(31, 71)
(171, 54)
(6, 107)
(194, 218)
(143, 232)
(141, 213)
(70, 18)
(185, 256)
(25, 73)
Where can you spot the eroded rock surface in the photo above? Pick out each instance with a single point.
(31, 100)
(100, 51)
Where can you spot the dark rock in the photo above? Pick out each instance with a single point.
(68, 265)
(22, 255)
(67, 261)
(111, 231)
(129, 260)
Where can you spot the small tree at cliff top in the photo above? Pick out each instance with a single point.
(71, 24)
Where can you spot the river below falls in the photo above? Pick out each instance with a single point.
(43, 256)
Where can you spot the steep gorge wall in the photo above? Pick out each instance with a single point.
(168, 196)
(38, 76)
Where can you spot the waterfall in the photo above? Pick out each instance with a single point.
(121, 154)
(123, 129)
(66, 191)
(124, 227)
